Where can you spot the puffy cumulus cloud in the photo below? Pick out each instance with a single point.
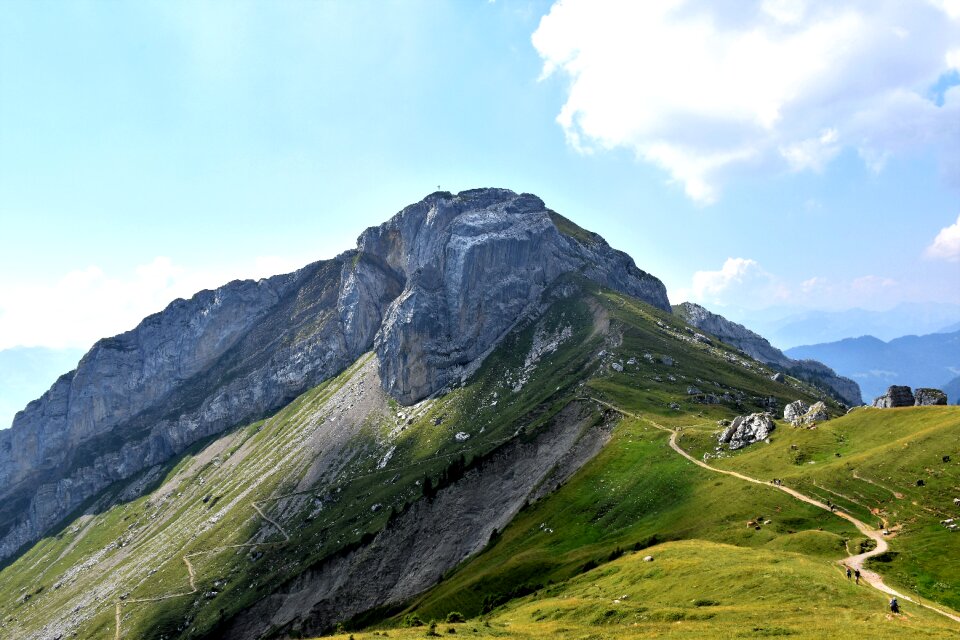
(87, 304)
(743, 283)
(739, 282)
(946, 246)
(701, 88)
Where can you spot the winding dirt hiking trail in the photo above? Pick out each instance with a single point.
(192, 574)
(286, 537)
(854, 562)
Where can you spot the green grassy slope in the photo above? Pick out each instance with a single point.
(638, 491)
(698, 589)
(870, 463)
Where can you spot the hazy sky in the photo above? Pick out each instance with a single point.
(748, 153)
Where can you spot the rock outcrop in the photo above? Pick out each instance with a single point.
(925, 397)
(793, 412)
(896, 396)
(816, 413)
(798, 413)
(758, 348)
(746, 430)
(432, 291)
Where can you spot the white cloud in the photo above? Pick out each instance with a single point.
(946, 246)
(812, 153)
(701, 91)
(739, 282)
(744, 284)
(88, 304)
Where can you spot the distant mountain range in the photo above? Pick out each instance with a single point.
(786, 328)
(26, 372)
(931, 360)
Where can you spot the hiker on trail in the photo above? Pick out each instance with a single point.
(894, 605)
(849, 573)
(856, 574)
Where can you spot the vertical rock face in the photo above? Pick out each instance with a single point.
(759, 348)
(896, 396)
(474, 264)
(432, 290)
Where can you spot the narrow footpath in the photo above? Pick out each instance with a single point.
(118, 605)
(854, 562)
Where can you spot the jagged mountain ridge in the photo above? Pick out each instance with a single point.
(431, 291)
(759, 348)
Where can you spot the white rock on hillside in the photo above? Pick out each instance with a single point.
(746, 430)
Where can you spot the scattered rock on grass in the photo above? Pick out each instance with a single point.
(746, 430)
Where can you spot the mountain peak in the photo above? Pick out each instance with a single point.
(432, 291)
(471, 265)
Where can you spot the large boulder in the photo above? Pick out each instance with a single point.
(745, 430)
(794, 411)
(925, 397)
(816, 413)
(896, 396)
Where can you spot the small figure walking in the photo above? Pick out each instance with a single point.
(849, 573)
(894, 605)
(856, 574)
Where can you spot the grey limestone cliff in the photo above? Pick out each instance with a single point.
(757, 347)
(474, 264)
(432, 291)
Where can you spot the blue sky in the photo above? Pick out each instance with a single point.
(151, 149)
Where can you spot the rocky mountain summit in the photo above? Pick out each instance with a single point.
(431, 291)
(757, 347)
(472, 265)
